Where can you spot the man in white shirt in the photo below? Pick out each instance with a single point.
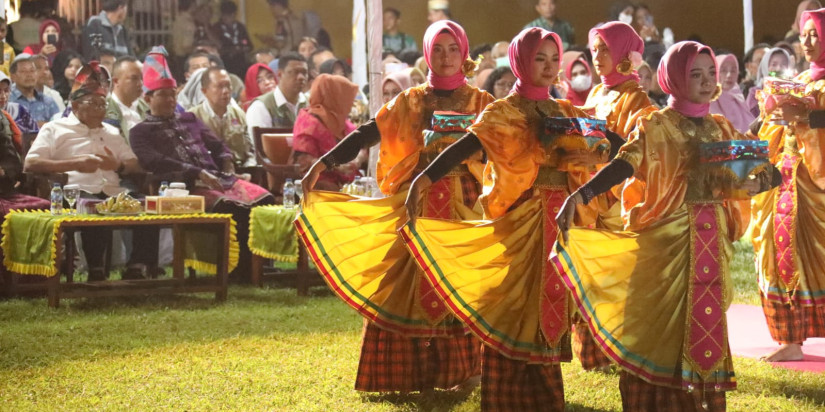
(279, 108)
(126, 108)
(94, 155)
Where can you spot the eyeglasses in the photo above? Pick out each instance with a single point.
(94, 104)
(504, 84)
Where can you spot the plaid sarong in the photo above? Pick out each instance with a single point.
(512, 385)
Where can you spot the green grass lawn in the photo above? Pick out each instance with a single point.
(265, 350)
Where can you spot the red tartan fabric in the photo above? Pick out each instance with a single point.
(640, 396)
(470, 189)
(394, 363)
(586, 349)
(794, 324)
(511, 385)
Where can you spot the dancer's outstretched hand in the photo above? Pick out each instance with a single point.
(421, 183)
(308, 182)
(568, 211)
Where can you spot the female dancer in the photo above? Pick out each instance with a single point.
(621, 101)
(655, 299)
(789, 261)
(410, 341)
(494, 275)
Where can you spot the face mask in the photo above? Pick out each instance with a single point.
(626, 18)
(581, 83)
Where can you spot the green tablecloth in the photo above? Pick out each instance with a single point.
(30, 249)
(272, 234)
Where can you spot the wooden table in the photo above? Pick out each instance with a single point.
(218, 224)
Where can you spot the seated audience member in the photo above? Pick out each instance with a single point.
(264, 56)
(307, 46)
(11, 167)
(646, 76)
(107, 60)
(360, 112)
(227, 121)
(195, 61)
(94, 156)
(393, 39)
(260, 79)
(548, 19)
(776, 62)
(125, 107)
(234, 39)
(167, 143)
(393, 84)
(731, 103)
(44, 77)
(51, 42)
(336, 67)
(22, 119)
(500, 82)
(322, 125)
(416, 75)
(318, 57)
(24, 76)
(578, 79)
(7, 50)
(279, 108)
(65, 67)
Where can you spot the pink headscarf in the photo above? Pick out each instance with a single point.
(674, 71)
(455, 30)
(522, 51)
(623, 42)
(402, 79)
(731, 103)
(818, 16)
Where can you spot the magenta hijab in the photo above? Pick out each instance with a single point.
(623, 42)
(674, 71)
(522, 51)
(731, 103)
(818, 16)
(455, 30)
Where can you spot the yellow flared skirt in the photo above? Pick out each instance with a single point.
(807, 287)
(633, 290)
(355, 245)
(492, 276)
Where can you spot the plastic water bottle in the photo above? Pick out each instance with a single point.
(162, 189)
(299, 190)
(56, 199)
(289, 194)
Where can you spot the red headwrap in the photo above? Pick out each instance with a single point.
(330, 98)
(251, 80)
(623, 42)
(674, 72)
(455, 30)
(522, 51)
(818, 64)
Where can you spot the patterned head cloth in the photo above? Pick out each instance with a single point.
(156, 73)
(92, 78)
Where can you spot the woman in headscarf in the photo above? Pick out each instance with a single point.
(394, 84)
(319, 127)
(731, 103)
(494, 275)
(578, 77)
(788, 230)
(410, 342)
(776, 62)
(802, 7)
(260, 79)
(48, 49)
(621, 101)
(654, 297)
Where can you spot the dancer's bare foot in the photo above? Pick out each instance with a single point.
(467, 386)
(786, 353)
